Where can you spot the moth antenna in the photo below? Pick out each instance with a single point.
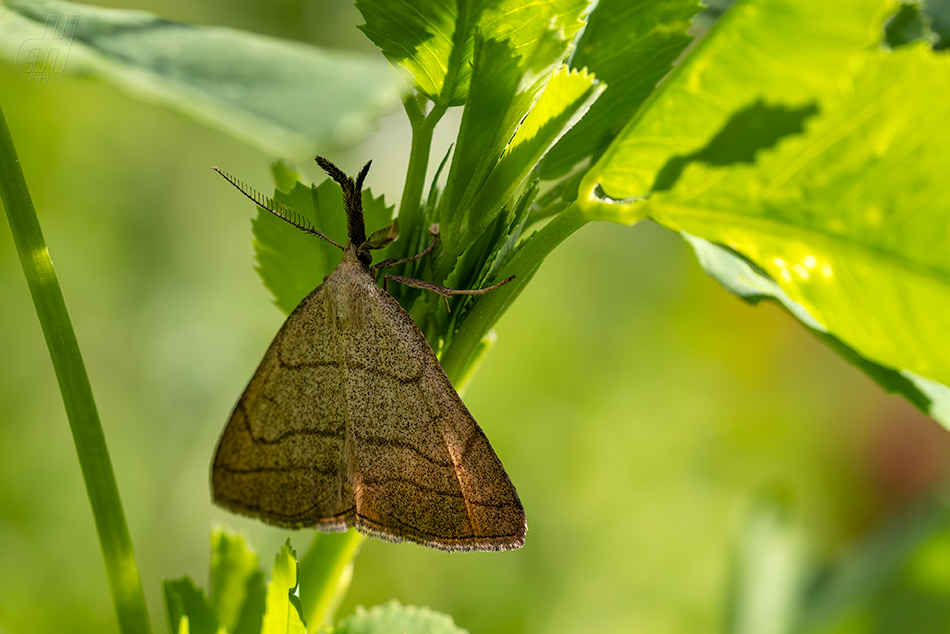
(352, 198)
(333, 171)
(362, 176)
(279, 209)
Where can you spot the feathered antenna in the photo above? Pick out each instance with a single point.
(352, 198)
(279, 209)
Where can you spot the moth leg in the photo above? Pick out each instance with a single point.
(434, 231)
(442, 290)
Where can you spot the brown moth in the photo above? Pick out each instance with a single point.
(351, 421)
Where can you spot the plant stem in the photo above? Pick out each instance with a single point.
(410, 206)
(323, 579)
(77, 393)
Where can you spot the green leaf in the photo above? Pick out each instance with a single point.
(849, 218)
(752, 54)
(284, 175)
(240, 603)
(325, 574)
(630, 46)
(523, 264)
(434, 42)
(282, 615)
(488, 122)
(939, 13)
(284, 97)
(746, 280)
(506, 84)
(417, 36)
(237, 591)
(896, 580)
(567, 96)
(908, 24)
(392, 617)
(527, 27)
(769, 558)
(926, 20)
(184, 600)
(758, 127)
(237, 586)
(293, 263)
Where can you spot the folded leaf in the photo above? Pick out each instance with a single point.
(565, 99)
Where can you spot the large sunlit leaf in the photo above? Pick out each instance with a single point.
(287, 98)
(852, 219)
(756, 52)
(752, 284)
(846, 208)
(630, 46)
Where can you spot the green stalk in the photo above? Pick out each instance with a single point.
(410, 206)
(77, 393)
(325, 576)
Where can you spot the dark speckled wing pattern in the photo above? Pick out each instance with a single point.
(351, 421)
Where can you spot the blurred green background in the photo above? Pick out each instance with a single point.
(637, 406)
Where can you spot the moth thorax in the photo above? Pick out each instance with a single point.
(348, 298)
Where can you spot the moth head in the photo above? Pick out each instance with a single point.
(353, 203)
(358, 243)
